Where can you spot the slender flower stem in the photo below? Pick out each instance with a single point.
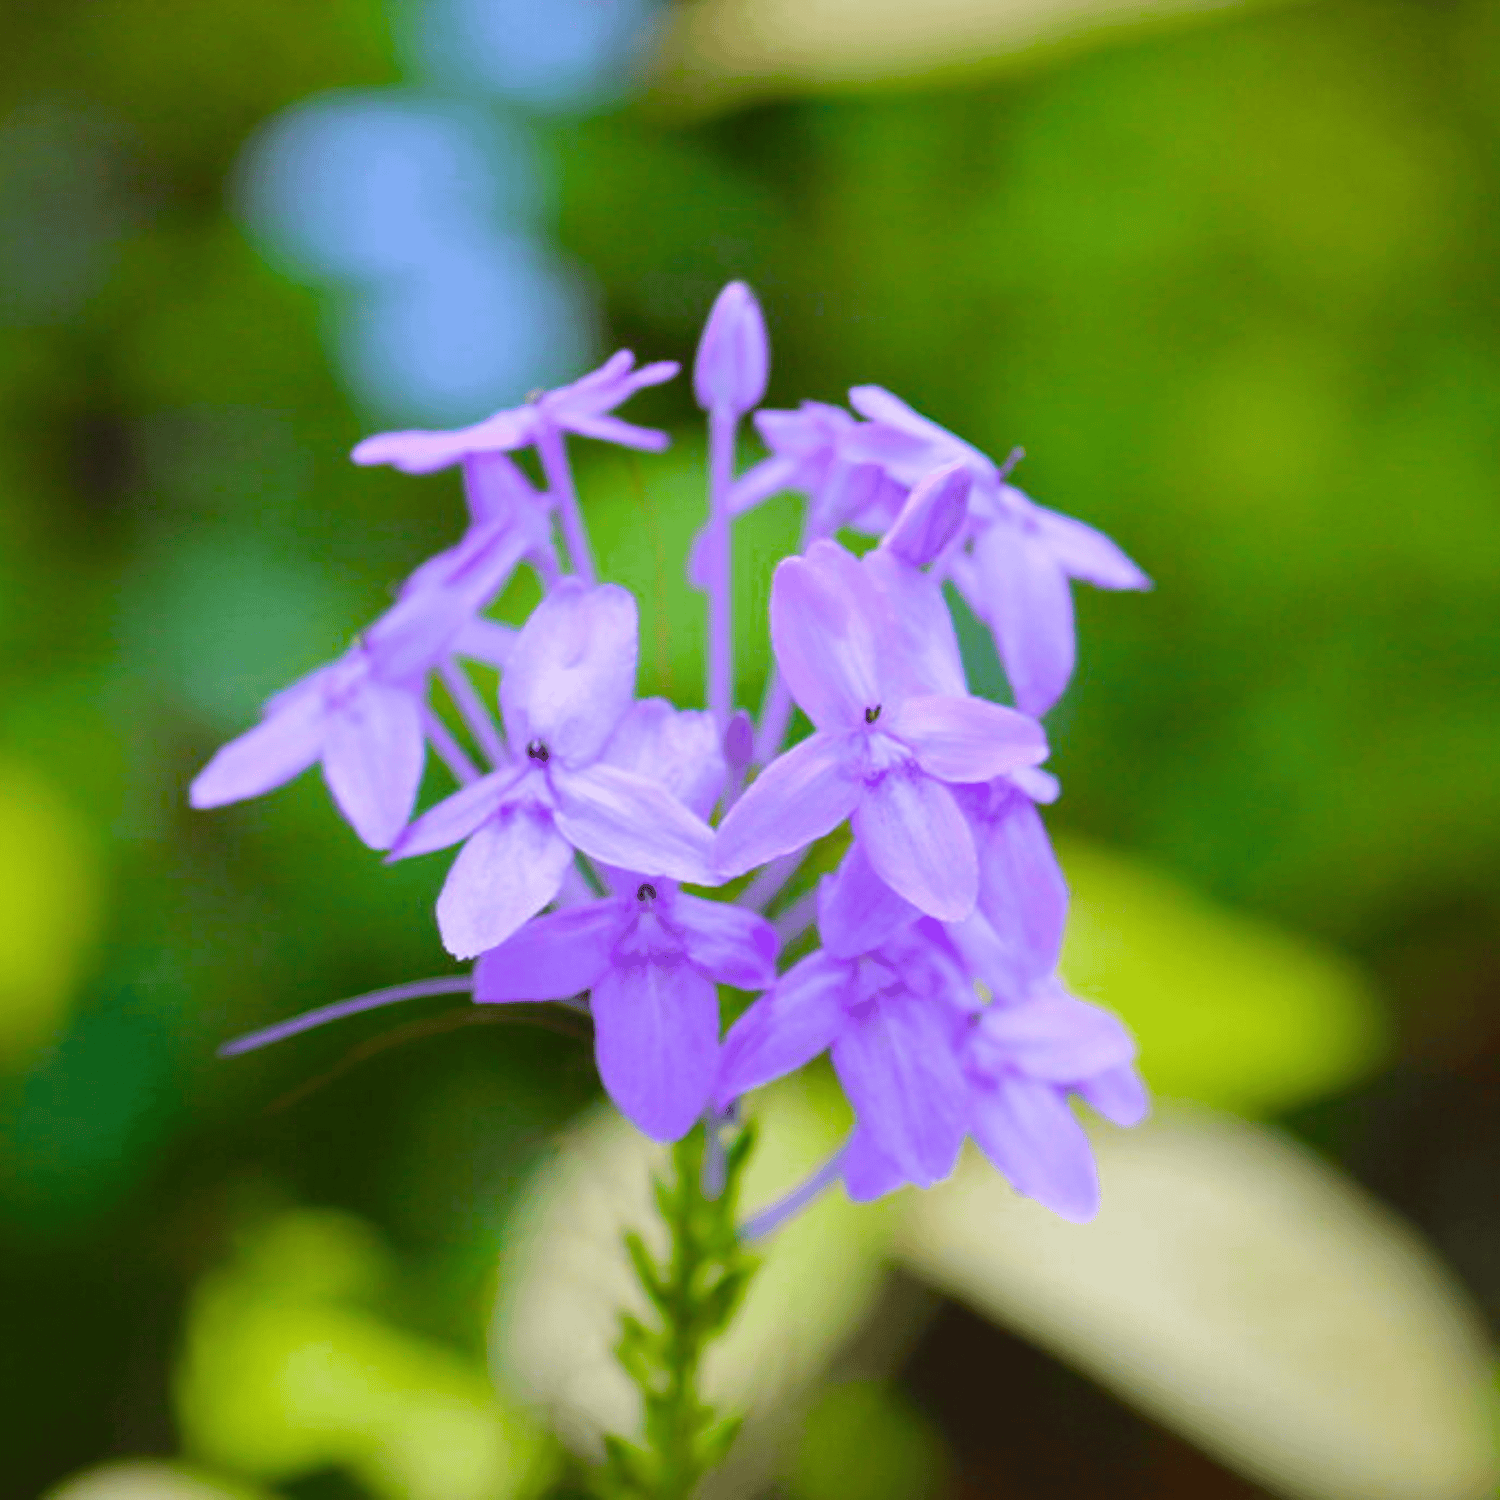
(773, 1217)
(694, 1293)
(722, 422)
(449, 751)
(473, 712)
(767, 885)
(797, 918)
(453, 984)
(775, 719)
(554, 456)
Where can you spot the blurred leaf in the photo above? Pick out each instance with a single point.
(861, 1441)
(1244, 1293)
(147, 1479)
(50, 904)
(285, 1373)
(1227, 1009)
(566, 1277)
(719, 52)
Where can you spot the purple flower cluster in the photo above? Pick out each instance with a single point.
(581, 811)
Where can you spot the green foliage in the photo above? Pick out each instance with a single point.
(694, 1294)
(862, 1441)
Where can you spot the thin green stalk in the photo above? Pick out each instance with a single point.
(694, 1294)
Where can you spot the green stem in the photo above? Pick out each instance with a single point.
(694, 1296)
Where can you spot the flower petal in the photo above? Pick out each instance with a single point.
(1022, 891)
(918, 843)
(656, 1040)
(787, 1027)
(931, 516)
(628, 821)
(966, 739)
(799, 797)
(554, 956)
(867, 1171)
(896, 1063)
(857, 910)
(678, 748)
(511, 867)
(731, 944)
(456, 817)
(1118, 1094)
(1053, 1037)
(571, 674)
(1086, 553)
(373, 760)
(930, 661)
(833, 635)
(607, 429)
(1029, 1133)
(421, 452)
(283, 745)
(1025, 599)
(485, 640)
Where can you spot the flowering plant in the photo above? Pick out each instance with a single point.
(585, 816)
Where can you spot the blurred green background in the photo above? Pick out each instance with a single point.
(1232, 279)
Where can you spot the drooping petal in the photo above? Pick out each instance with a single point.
(372, 760)
(552, 957)
(785, 1028)
(606, 429)
(656, 1040)
(1053, 1037)
(734, 354)
(857, 910)
(918, 843)
(1118, 1094)
(897, 1064)
(832, 634)
(678, 748)
(511, 867)
(931, 517)
(731, 944)
(456, 817)
(1022, 891)
(1025, 599)
(284, 744)
(966, 739)
(571, 674)
(496, 488)
(625, 820)
(1029, 1133)
(799, 797)
(929, 661)
(1086, 553)
(422, 452)
(867, 1172)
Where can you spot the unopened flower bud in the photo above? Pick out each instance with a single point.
(734, 355)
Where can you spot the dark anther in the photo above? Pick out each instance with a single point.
(871, 714)
(647, 892)
(539, 752)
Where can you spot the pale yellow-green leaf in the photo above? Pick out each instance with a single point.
(719, 52)
(148, 1479)
(287, 1370)
(1245, 1293)
(50, 899)
(566, 1277)
(1227, 1009)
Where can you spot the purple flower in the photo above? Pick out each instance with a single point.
(890, 1000)
(650, 957)
(582, 407)
(880, 750)
(812, 451)
(568, 685)
(1016, 558)
(734, 355)
(363, 715)
(1020, 1063)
